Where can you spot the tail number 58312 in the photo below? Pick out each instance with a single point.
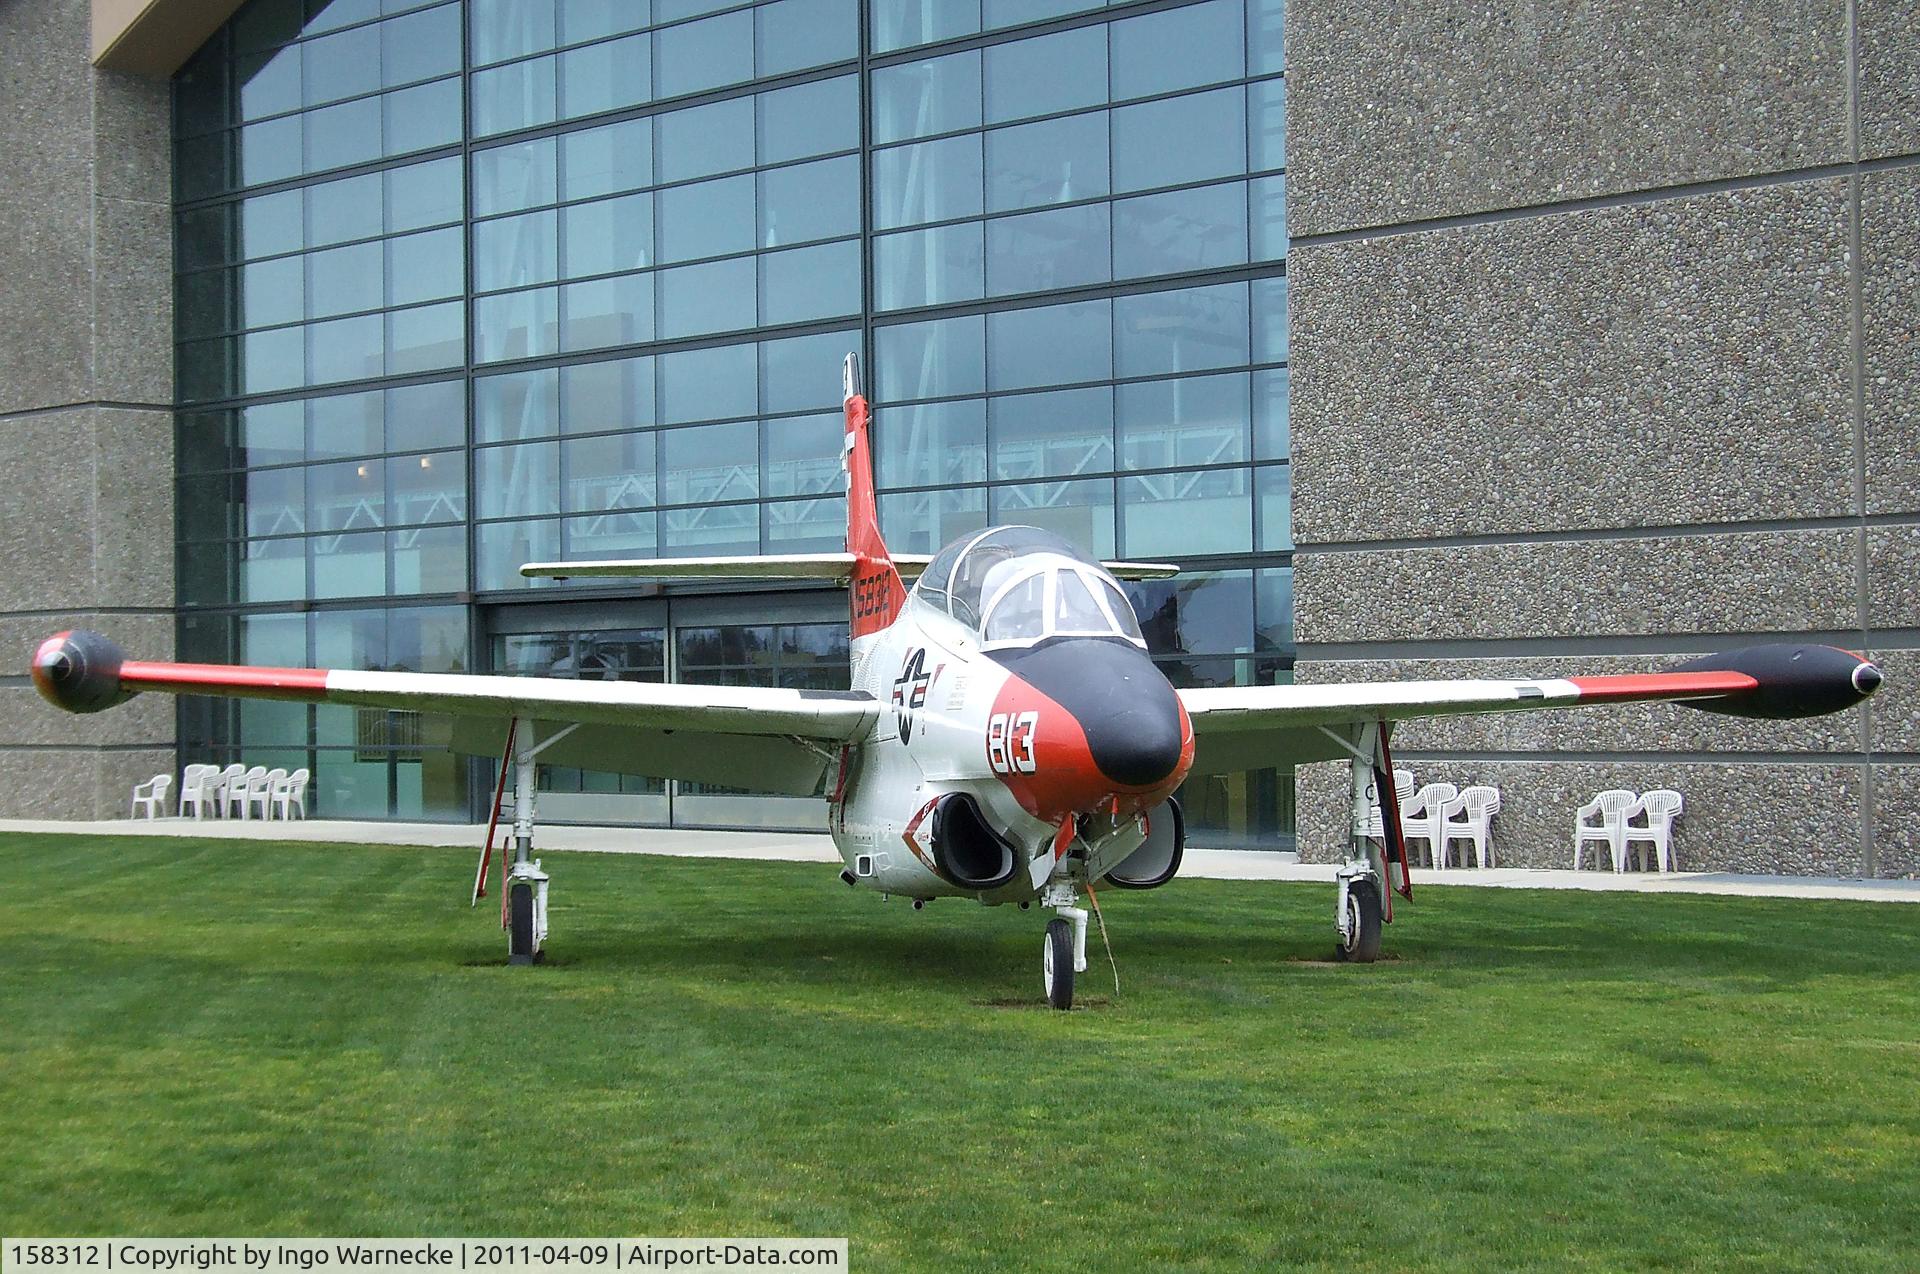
(1010, 742)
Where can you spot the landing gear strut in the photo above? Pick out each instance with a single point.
(1064, 953)
(1376, 845)
(525, 915)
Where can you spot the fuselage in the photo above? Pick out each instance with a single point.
(1063, 746)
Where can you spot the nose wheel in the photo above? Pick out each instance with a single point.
(1064, 952)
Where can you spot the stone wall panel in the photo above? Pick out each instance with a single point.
(1890, 300)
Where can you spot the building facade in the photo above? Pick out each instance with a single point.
(1602, 355)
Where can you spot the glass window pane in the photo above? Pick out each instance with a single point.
(606, 312)
(946, 357)
(271, 433)
(1008, 13)
(696, 299)
(510, 28)
(1265, 32)
(273, 501)
(614, 471)
(605, 77)
(609, 395)
(501, 548)
(426, 267)
(428, 560)
(704, 140)
(809, 119)
(350, 496)
(272, 571)
(426, 337)
(803, 455)
(1180, 140)
(706, 219)
(901, 24)
(708, 384)
(804, 202)
(1042, 251)
(931, 181)
(269, 83)
(338, 211)
(346, 349)
(591, 19)
(343, 65)
(617, 533)
(271, 151)
(352, 565)
(272, 292)
(1270, 320)
(1270, 415)
(271, 360)
(517, 481)
(515, 251)
(1268, 196)
(343, 280)
(802, 284)
(271, 224)
(1273, 607)
(430, 488)
(925, 521)
(1068, 431)
(1274, 485)
(1188, 330)
(931, 267)
(345, 425)
(422, 195)
(1052, 161)
(795, 34)
(516, 405)
(705, 54)
(202, 165)
(1050, 345)
(1204, 511)
(420, 46)
(933, 443)
(519, 95)
(918, 99)
(1049, 74)
(508, 178)
(1267, 124)
(710, 463)
(608, 235)
(1180, 231)
(802, 373)
(422, 117)
(724, 528)
(603, 161)
(797, 526)
(340, 135)
(433, 415)
(1079, 512)
(1208, 37)
(1197, 420)
(201, 237)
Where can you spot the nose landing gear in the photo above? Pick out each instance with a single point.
(1064, 951)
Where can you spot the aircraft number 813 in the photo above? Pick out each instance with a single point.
(1010, 742)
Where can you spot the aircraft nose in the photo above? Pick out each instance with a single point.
(1124, 706)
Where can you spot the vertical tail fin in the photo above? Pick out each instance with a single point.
(876, 593)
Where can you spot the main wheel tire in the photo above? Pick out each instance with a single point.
(520, 924)
(1362, 944)
(1056, 963)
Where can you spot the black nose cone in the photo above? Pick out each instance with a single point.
(1123, 704)
(1867, 679)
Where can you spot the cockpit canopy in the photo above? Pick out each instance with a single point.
(1017, 585)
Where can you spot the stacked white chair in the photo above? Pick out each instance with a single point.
(260, 791)
(1421, 818)
(193, 789)
(220, 785)
(1402, 789)
(239, 787)
(1611, 808)
(1476, 806)
(290, 795)
(153, 795)
(1660, 806)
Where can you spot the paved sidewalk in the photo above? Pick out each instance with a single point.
(811, 847)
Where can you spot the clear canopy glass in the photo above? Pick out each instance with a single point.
(1017, 585)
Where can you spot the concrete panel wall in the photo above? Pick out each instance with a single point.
(86, 425)
(1604, 353)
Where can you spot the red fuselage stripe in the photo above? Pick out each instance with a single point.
(1664, 685)
(278, 683)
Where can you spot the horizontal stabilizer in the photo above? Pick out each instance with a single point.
(828, 566)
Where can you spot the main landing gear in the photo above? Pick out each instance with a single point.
(523, 911)
(1376, 843)
(1064, 952)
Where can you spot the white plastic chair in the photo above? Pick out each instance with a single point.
(1661, 806)
(260, 792)
(290, 796)
(193, 789)
(153, 795)
(1610, 807)
(221, 784)
(1420, 818)
(1402, 789)
(1476, 807)
(239, 788)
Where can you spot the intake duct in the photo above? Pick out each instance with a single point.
(1158, 859)
(967, 850)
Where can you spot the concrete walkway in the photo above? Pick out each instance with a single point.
(1216, 864)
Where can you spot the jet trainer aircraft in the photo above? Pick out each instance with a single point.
(1006, 736)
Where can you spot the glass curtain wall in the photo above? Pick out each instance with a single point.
(471, 283)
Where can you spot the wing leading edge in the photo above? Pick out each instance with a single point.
(1239, 728)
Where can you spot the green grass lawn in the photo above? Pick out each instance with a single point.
(225, 1038)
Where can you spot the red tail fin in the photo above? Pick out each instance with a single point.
(875, 589)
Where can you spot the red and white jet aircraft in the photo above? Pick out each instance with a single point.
(1006, 736)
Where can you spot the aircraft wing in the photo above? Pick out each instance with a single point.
(1249, 727)
(771, 739)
